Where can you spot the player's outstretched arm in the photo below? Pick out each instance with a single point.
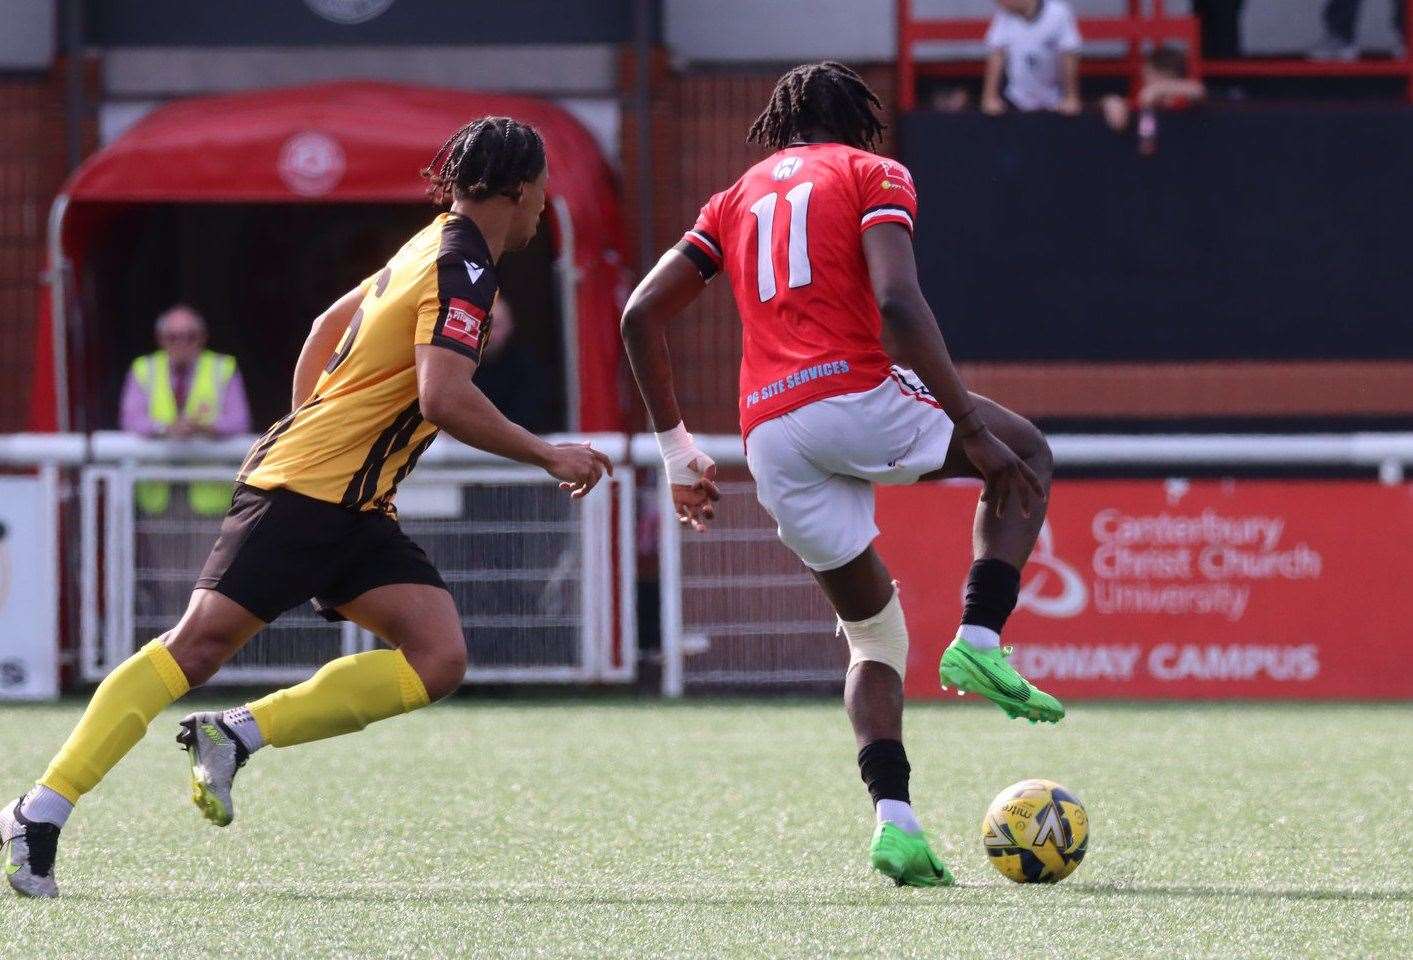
(667, 290)
(892, 270)
(319, 346)
(449, 399)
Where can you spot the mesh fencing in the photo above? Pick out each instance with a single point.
(168, 551)
(513, 549)
(513, 558)
(752, 615)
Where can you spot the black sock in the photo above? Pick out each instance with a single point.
(992, 587)
(883, 765)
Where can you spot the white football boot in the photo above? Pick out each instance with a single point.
(30, 847)
(215, 754)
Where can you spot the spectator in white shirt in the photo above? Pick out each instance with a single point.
(1036, 43)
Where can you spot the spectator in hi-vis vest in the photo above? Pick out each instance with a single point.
(183, 391)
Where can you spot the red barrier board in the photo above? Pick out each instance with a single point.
(1179, 589)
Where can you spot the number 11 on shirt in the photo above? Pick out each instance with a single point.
(797, 236)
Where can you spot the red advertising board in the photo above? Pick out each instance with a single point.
(1179, 589)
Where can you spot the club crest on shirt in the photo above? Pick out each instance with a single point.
(787, 168)
(464, 321)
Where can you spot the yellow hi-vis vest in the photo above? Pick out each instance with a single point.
(203, 404)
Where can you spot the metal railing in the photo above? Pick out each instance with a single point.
(1141, 23)
(542, 583)
(547, 589)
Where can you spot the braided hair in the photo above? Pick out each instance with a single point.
(489, 157)
(824, 96)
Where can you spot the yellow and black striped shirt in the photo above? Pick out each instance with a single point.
(361, 431)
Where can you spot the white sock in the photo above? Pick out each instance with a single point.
(899, 814)
(243, 725)
(46, 806)
(983, 638)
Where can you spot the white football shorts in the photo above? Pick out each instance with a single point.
(815, 466)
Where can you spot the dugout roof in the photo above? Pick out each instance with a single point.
(343, 142)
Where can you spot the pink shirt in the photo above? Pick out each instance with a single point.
(133, 416)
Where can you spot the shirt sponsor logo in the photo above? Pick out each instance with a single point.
(463, 322)
(897, 177)
(830, 368)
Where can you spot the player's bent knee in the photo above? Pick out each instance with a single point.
(827, 545)
(442, 669)
(200, 653)
(882, 638)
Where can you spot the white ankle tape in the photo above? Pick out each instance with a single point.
(882, 638)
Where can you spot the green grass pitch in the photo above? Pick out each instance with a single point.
(604, 828)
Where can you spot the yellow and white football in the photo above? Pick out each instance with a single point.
(1035, 831)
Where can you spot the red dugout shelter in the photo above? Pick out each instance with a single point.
(346, 143)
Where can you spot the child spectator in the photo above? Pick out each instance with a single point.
(1165, 86)
(1037, 43)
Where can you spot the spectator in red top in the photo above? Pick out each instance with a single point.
(1165, 86)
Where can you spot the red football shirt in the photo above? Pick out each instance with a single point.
(789, 234)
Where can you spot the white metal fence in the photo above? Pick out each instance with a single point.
(540, 580)
(547, 588)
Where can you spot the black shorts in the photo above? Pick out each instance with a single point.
(278, 548)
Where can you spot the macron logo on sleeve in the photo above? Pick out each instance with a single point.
(473, 271)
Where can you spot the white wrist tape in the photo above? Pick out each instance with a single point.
(882, 638)
(685, 463)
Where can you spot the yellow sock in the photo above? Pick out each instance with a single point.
(345, 695)
(116, 719)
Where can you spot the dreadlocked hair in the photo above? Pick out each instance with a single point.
(819, 96)
(489, 157)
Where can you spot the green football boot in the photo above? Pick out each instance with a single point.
(986, 673)
(906, 859)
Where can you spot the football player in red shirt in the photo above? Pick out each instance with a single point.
(817, 242)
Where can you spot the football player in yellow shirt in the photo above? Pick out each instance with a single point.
(383, 370)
